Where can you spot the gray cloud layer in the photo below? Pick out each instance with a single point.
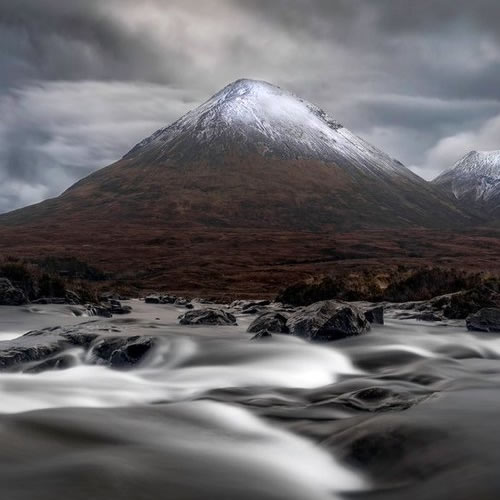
(82, 81)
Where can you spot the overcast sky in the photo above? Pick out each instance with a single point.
(81, 81)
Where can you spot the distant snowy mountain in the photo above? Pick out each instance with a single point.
(474, 181)
(252, 157)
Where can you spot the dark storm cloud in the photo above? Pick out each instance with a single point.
(72, 40)
(81, 81)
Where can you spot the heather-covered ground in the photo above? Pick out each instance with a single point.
(243, 264)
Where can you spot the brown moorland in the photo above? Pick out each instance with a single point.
(247, 264)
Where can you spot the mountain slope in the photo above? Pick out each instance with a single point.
(474, 181)
(252, 156)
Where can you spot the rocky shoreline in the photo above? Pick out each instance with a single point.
(322, 322)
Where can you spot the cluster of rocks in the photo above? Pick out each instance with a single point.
(108, 309)
(109, 305)
(320, 322)
(324, 321)
(485, 320)
(249, 306)
(479, 307)
(50, 348)
(452, 306)
(155, 298)
(209, 316)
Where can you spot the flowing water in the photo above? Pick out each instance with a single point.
(409, 409)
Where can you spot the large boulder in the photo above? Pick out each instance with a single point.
(209, 316)
(273, 321)
(485, 320)
(11, 295)
(327, 321)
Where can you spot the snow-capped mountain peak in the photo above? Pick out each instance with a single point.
(482, 163)
(476, 176)
(247, 106)
(250, 117)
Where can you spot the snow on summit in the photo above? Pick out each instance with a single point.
(476, 175)
(251, 116)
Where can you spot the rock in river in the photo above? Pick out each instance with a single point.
(209, 316)
(274, 322)
(485, 320)
(327, 321)
(375, 315)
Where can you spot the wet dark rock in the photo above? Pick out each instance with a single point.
(457, 305)
(99, 310)
(485, 320)
(156, 298)
(13, 357)
(209, 316)
(11, 295)
(122, 352)
(250, 306)
(108, 309)
(168, 299)
(153, 299)
(61, 362)
(42, 344)
(254, 307)
(262, 335)
(375, 315)
(252, 310)
(327, 321)
(271, 321)
(116, 307)
(428, 316)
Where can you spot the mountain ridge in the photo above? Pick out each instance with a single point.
(474, 181)
(253, 155)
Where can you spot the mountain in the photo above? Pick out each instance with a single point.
(474, 181)
(250, 192)
(252, 156)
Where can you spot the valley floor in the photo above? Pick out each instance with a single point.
(226, 265)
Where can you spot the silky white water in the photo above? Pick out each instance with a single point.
(249, 457)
